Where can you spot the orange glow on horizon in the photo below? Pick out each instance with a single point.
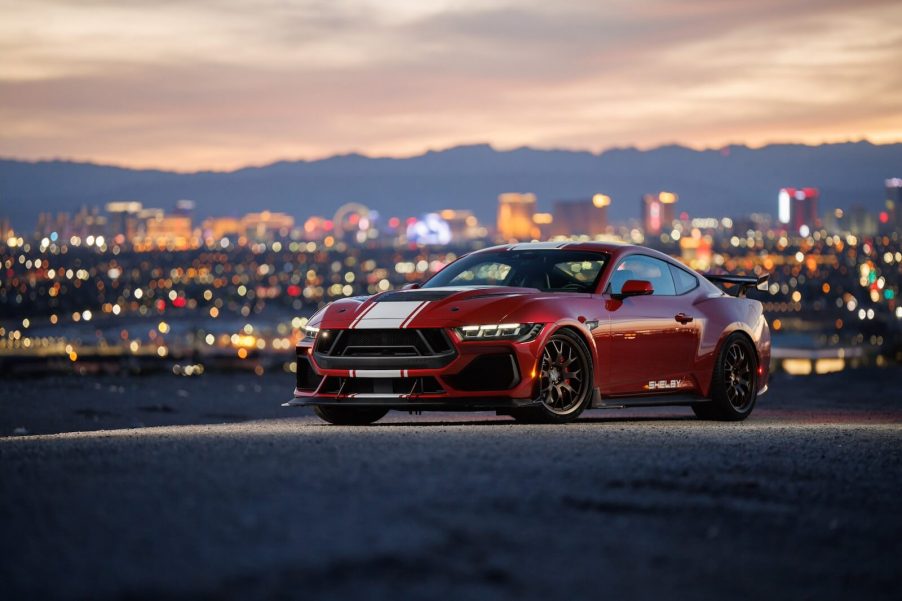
(106, 82)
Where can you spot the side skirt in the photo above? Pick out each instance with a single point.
(646, 401)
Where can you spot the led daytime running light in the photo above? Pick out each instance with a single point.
(516, 331)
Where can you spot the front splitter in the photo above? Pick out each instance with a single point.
(419, 404)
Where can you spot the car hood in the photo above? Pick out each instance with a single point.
(428, 307)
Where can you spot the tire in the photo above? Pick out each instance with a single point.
(349, 416)
(561, 401)
(734, 384)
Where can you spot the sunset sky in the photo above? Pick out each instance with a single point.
(223, 83)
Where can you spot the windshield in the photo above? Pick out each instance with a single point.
(549, 270)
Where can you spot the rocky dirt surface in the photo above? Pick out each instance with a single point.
(168, 487)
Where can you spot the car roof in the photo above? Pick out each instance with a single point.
(611, 247)
(614, 248)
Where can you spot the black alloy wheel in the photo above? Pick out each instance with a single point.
(564, 381)
(737, 374)
(734, 386)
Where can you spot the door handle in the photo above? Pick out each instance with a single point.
(683, 318)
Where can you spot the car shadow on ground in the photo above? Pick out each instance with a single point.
(494, 422)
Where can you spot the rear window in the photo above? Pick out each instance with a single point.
(683, 280)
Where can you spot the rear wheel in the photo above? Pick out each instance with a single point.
(349, 416)
(734, 387)
(565, 381)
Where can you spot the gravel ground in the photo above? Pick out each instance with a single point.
(231, 496)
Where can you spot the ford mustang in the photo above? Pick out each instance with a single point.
(541, 332)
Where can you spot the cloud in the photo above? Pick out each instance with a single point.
(225, 83)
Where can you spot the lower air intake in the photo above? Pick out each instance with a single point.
(488, 372)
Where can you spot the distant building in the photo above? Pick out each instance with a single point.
(170, 231)
(797, 209)
(696, 251)
(463, 225)
(267, 225)
(150, 213)
(44, 225)
(61, 225)
(515, 216)
(123, 218)
(89, 222)
(545, 222)
(658, 212)
(857, 221)
(217, 228)
(84, 223)
(861, 221)
(588, 216)
(894, 202)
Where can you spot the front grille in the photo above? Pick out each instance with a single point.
(383, 343)
(383, 349)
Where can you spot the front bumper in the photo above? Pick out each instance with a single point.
(477, 375)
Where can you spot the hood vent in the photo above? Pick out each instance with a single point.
(415, 296)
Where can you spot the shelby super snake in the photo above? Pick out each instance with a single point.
(541, 331)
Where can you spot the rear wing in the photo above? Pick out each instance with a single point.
(744, 282)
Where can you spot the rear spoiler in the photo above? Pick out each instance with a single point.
(744, 282)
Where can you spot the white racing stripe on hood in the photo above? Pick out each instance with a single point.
(388, 315)
(359, 317)
(416, 312)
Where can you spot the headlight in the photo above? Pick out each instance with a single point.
(310, 332)
(521, 332)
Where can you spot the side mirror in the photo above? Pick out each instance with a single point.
(413, 286)
(636, 288)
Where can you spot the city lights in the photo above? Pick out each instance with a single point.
(149, 285)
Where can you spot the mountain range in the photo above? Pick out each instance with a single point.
(731, 181)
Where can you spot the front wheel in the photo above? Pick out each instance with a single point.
(734, 386)
(565, 381)
(349, 416)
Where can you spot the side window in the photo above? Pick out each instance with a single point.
(683, 280)
(639, 267)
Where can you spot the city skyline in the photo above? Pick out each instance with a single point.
(471, 178)
(204, 85)
(130, 224)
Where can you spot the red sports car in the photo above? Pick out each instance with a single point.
(540, 332)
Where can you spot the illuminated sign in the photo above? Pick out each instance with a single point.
(430, 229)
